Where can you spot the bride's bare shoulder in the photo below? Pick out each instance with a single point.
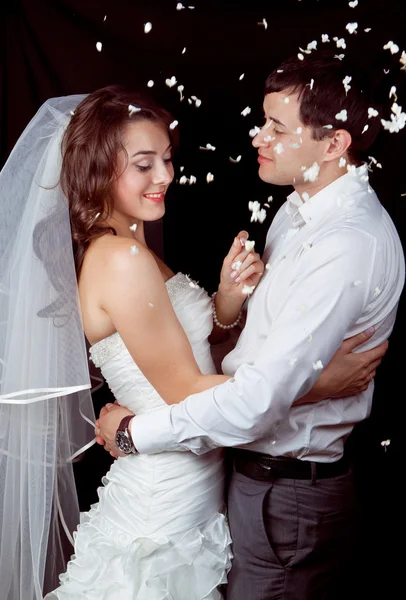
(111, 257)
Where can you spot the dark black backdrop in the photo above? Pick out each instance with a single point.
(48, 48)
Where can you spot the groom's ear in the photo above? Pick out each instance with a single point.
(337, 144)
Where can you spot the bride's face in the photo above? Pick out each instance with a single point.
(145, 173)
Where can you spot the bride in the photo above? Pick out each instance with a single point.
(159, 530)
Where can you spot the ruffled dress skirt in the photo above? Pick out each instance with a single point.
(158, 532)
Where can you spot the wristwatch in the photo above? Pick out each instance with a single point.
(123, 439)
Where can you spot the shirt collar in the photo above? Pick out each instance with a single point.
(303, 211)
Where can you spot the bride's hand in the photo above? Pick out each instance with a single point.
(348, 373)
(241, 267)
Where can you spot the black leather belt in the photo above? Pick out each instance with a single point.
(263, 467)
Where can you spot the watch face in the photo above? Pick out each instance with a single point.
(123, 442)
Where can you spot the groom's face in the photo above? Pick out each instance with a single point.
(285, 146)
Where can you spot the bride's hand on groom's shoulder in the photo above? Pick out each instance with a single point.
(242, 269)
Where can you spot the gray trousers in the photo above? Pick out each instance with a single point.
(290, 537)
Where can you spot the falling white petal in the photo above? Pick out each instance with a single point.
(351, 27)
(340, 43)
(150, 83)
(99, 46)
(317, 366)
(248, 245)
(147, 27)
(392, 92)
(312, 173)
(132, 110)
(325, 38)
(302, 308)
(173, 124)
(279, 148)
(300, 56)
(372, 112)
(207, 147)
(241, 77)
(247, 290)
(365, 129)
(353, 4)
(254, 131)
(394, 48)
(170, 82)
(133, 227)
(342, 162)
(246, 111)
(179, 6)
(235, 160)
(342, 115)
(184, 50)
(193, 284)
(398, 119)
(180, 89)
(346, 82)
(134, 250)
(209, 177)
(377, 292)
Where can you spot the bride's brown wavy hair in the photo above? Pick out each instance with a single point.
(90, 147)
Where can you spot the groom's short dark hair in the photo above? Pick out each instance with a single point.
(318, 80)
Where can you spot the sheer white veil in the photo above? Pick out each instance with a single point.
(46, 413)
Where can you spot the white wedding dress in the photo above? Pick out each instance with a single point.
(158, 531)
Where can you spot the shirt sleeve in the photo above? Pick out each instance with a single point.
(329, 290)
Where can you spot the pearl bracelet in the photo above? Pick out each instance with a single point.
(215, 318)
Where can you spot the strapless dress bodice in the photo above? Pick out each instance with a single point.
(126, 381)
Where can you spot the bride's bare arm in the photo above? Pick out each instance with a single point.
(135, 298)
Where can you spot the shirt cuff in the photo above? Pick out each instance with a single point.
(151, 433)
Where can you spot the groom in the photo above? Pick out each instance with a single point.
(335, 267)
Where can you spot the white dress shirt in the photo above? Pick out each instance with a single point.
(335, 267)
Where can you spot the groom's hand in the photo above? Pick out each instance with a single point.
(107, 424)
